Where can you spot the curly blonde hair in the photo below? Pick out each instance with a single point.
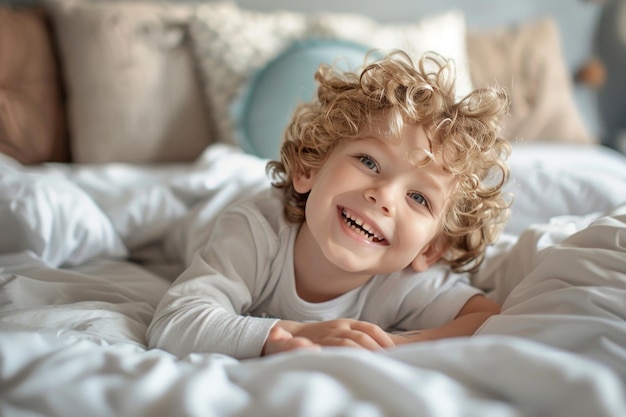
(400, 91)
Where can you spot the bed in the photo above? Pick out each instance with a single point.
(89, 245)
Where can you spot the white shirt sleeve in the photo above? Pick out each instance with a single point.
(205, 308)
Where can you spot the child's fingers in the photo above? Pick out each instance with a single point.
(285, 345)
(300, 343)
(364, 340)
(347, 332)
(350, 338)
(382, 338)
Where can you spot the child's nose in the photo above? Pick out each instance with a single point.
(382, 198)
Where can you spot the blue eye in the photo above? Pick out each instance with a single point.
(368, 162)
(418, 198)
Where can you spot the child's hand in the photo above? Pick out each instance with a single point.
(342, 332)
(280, 340)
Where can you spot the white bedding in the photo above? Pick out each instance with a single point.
(74, 308)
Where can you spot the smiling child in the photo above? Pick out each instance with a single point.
(388, 188)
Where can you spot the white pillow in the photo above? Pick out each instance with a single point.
(443, 33)
(51, 217)
(231, 44)
(133, 93)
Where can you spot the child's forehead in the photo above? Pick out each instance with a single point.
(421, 148)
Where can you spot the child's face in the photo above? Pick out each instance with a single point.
(371, 210)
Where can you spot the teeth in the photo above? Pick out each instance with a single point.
(359, 226)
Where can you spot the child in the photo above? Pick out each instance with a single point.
(386, 184)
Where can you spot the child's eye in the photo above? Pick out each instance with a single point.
(418, 198)
(368, 162)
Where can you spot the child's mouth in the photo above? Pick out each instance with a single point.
(360, 227)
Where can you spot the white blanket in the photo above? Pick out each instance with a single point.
(74, 310)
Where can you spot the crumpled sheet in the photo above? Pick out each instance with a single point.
(72, 325)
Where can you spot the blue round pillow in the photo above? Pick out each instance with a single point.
(263, 110)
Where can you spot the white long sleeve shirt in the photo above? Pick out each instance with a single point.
(242, 282)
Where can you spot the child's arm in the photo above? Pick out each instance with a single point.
(473, 314)
(205, 309)
(280, 340)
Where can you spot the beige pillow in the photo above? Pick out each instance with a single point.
(528, 60)
(232, 44)
(32, 120)
(133, 95)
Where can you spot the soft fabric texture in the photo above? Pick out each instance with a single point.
(223, 175)
(76, 335)
(132, 90)
(32, 116)
(554, 179)
(100, 298)
(73, 338)
(51, 217)
(134, 198)
(263, 109)
(232, 44)
(528, 60)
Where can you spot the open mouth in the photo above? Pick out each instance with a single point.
(359, 226)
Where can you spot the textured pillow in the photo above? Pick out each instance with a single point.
(133, 95)
(232, 44)
(527, 59)
(32, 120)
(264, 108)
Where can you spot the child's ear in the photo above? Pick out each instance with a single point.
(429, 255)
(303, 182)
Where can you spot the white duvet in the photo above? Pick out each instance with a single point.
(74, 308)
